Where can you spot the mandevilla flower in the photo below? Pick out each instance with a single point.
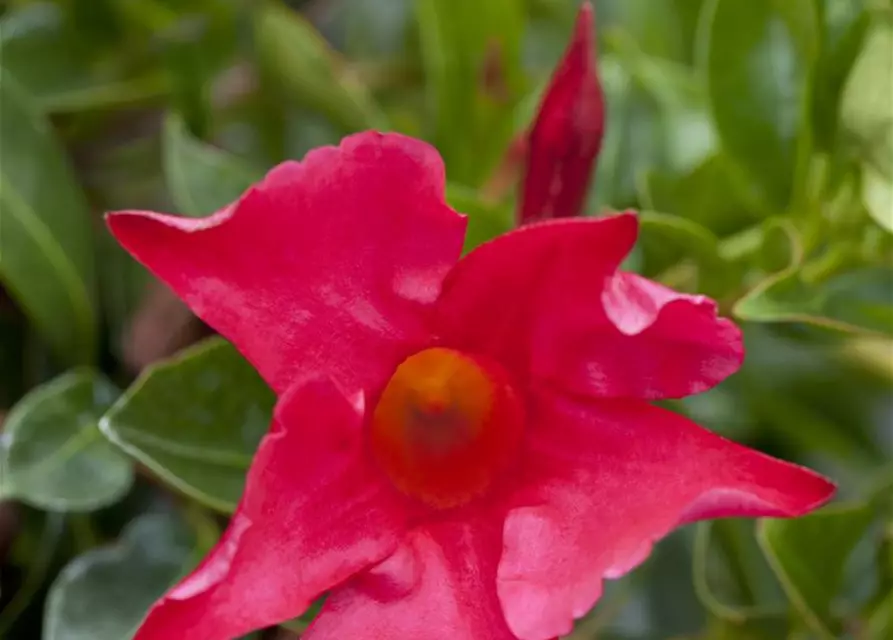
(567, 133)
(461, 448)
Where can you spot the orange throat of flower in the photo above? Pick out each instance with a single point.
(446, 425)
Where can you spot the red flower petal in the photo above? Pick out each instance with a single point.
(313, 514)
(500, 299)
(652, 343)
(567, 134)
(323, 267)
(611, 477)
(548, 302)
(440, 584)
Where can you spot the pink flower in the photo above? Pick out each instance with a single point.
(567, 134)
(462, 448)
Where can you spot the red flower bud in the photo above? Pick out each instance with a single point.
(567, 134)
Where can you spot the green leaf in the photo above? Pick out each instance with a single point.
(195, 43)
(710, 194)
(56, 65)
(880, 624)
(104, 593)
(759, 626)
(195, 421)
(672, 604)
(867, 115)
(784, 410)
(680, 104)
(53, 455)
(667, 240)
(865, 111)
(877, 194)
(757, 58)
(844, 25)
(855, 302)
(658, 123)
(809, 555)
(46, 247)
(201, 178)
(731, 579)
(122, 288)
(657, 26)
(127, 176)
(372, 30)
(295, 57)
(40, 552)
(13, 332)
(471, 53)
(485, 220)
(634, 138)
(780, 245)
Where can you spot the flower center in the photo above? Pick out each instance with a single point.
(446, 425)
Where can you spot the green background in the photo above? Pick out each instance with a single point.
(756, 137)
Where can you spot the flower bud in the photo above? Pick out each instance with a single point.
(567, 133)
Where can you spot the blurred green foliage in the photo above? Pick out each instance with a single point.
(756, 137)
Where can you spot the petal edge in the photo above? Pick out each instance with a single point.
(346, 248)
(312, 515)
(613, 477)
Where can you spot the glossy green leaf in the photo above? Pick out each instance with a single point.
(809, 555)
(294, 56)
(485, 220)
(858, 301)
(757, 57)
(105, 593)
(53, 455)
(58, 67)
(195, 421)
(46, 247)
(471, 53)
(201, 178)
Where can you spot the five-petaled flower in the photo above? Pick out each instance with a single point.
(461, 448)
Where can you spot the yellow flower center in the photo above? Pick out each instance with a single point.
(446, 425)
